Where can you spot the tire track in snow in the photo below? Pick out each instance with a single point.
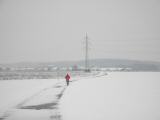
(52, 105)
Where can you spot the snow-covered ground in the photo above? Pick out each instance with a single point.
(117, 96)
(113, 96)
(32, 99)
(13, 92)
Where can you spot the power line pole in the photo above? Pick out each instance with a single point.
(86, 54)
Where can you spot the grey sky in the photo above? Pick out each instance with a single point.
(53, 30)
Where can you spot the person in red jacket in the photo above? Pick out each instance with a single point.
(67, 79)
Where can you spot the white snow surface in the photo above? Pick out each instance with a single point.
(13, 92)
(112, 96)
(32, 99)
(116, 96)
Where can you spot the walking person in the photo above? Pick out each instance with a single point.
(67, 77)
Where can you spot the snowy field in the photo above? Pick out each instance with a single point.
(13, 92)
(112, 96)
(33, 98)
(117, 96)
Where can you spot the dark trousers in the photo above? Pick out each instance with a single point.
(67, 81)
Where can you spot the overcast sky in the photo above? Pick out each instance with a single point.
(53, 30)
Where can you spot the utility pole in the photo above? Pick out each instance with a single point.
(86, 54)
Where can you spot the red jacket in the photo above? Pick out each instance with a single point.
(67, 77)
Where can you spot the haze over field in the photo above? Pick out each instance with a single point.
(50, 30)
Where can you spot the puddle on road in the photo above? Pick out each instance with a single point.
(56, 117)
(41, 106)
(58, 86)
